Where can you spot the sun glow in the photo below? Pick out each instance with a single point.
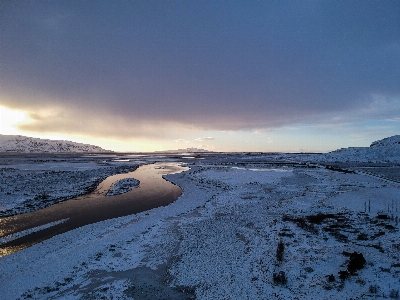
(10, 119)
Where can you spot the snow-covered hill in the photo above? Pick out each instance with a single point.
(23, 144)
(393, 141)
(385, 150)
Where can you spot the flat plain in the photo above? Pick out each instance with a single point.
(247, 226)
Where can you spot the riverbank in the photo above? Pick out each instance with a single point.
(223, 239)
(31, 183)
(97, 206)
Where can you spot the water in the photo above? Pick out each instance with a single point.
(153, 191)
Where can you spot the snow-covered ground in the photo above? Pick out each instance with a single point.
(28, 184)
(244, 228)
(123, 186)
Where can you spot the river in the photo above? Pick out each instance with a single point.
(153, 191)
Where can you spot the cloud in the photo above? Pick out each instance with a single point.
(204, 139)
(149, 70)
(97, 124)
(377, 107)
(261, 131)
(181, 141)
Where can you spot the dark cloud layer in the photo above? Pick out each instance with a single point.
(208, 64)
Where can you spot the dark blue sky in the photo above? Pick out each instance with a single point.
(173, 70)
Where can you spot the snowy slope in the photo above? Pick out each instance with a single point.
(385, 150)
(22, 144)
(393, 141)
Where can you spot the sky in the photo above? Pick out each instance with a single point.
(218, 75)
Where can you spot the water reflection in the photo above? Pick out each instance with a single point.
(153, 191)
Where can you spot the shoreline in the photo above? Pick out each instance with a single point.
(95, 207)
(40, 193)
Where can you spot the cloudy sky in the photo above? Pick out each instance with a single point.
(220, 75)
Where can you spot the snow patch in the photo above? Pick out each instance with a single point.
(17, 235)
(123, 186)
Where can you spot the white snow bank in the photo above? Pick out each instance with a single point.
(17, 235)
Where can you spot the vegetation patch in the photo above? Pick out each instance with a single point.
(357, 262)
(279, 251)
(280, 278)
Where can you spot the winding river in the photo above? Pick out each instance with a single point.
(153, 191)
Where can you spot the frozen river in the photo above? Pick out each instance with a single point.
(153, 191)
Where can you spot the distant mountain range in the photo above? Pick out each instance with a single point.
(186, 150)
(23, 144)
(385, 150)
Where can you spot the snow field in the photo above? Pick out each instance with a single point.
(219, 241)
